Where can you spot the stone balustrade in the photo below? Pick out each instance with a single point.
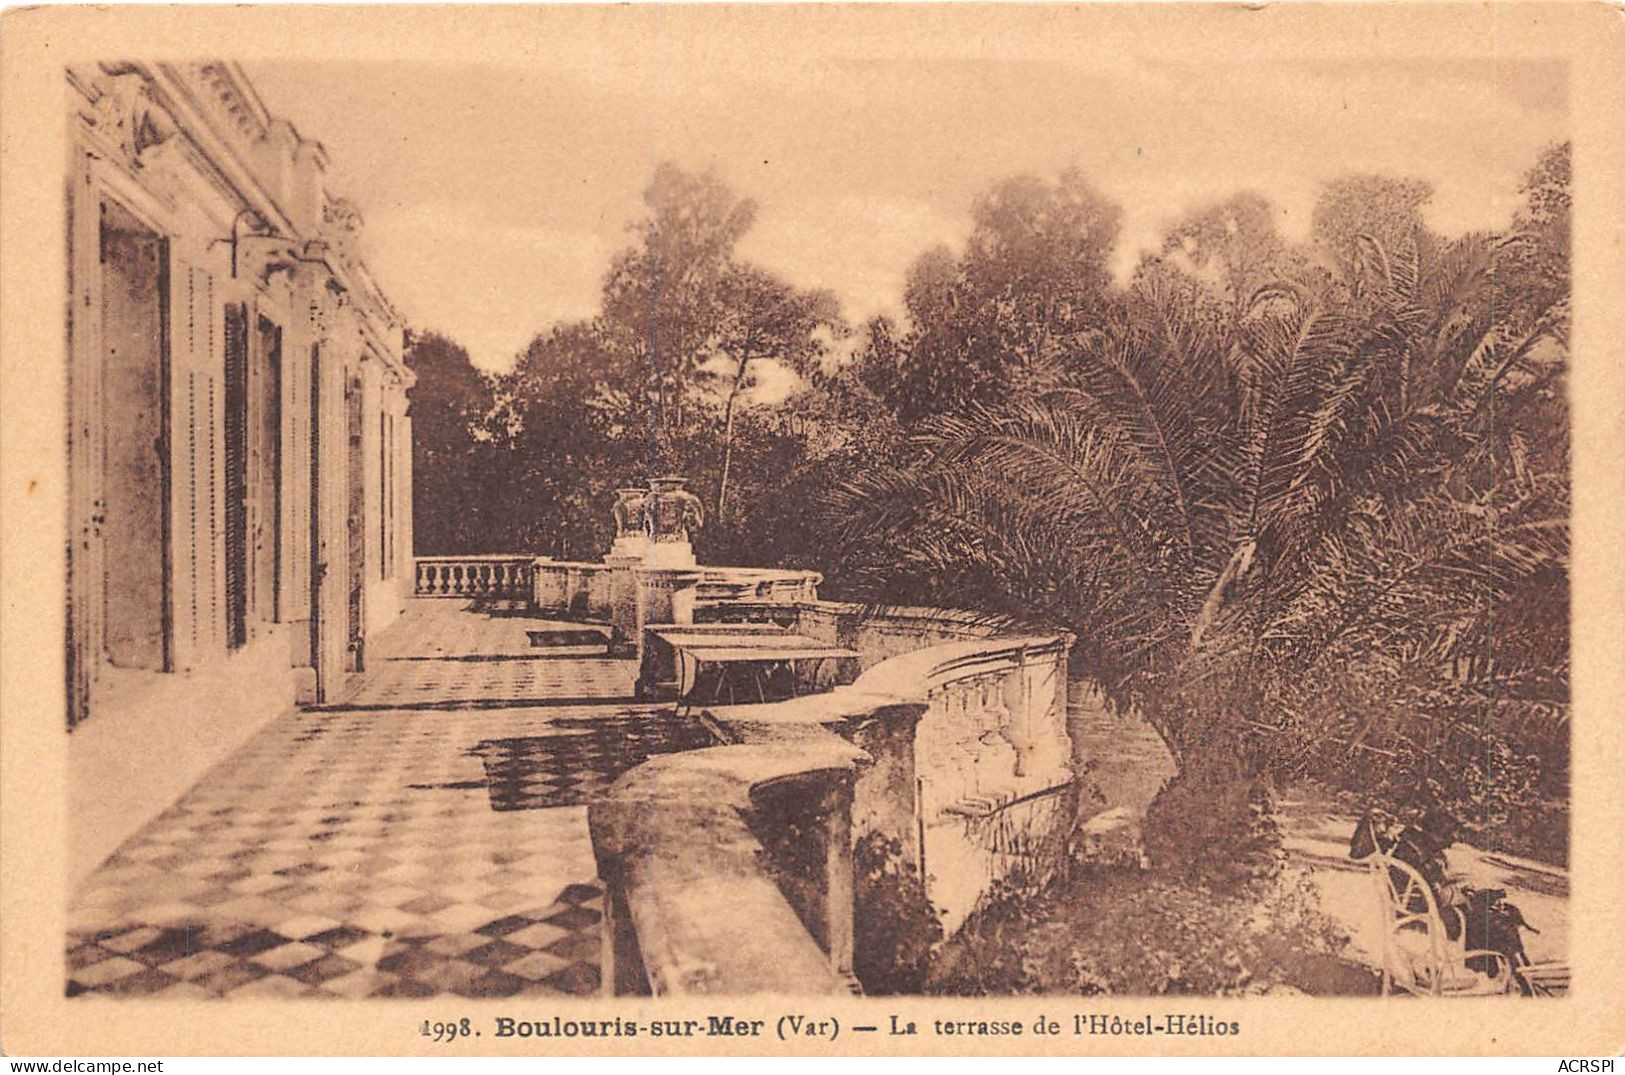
(574, 588)
(498, 575)
(952, 742)
(960, 753)
(587, 589)
(990, 765)
(749, 585)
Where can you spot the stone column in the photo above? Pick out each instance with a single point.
(625, 556)
(623, 604)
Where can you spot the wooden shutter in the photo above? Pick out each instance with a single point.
(197, 502)
(235, 465)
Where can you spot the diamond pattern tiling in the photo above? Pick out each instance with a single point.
(426, 837)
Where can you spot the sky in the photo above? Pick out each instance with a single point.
(495, 195)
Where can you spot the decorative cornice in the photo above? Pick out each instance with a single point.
(234, 99)
(202, 126)
(341, 228)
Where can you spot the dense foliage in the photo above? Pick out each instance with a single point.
(1304, 504)
(1306, 508)
(1121, 934)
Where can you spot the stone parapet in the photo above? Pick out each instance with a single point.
(690, 910)
(572, 588)
(956, 750)
(986, 774)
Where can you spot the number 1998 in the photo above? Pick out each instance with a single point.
(447, 1031)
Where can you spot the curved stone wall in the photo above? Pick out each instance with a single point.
(957, 749)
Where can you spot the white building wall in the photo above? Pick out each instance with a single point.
(187, 153)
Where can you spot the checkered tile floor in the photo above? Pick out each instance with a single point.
(565, 770)
(427, 837)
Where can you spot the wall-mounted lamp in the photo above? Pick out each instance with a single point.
(236, 237)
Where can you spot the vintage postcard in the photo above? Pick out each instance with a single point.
(798, 529)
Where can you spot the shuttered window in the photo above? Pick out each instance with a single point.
(134, 450)
(236, 475)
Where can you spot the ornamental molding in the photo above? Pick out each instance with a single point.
(341, 227)
(126, 119)
(233, 100)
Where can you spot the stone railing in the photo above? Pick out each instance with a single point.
(750, 585)
(962, 756)
(689, 908)
(879, 634)
(497, 575)
(986, 778)
(576, 588)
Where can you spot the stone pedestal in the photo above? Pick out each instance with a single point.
(669, 554)
(623, 602)
(631, 545)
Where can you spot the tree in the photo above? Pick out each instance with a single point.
(764, 320)
(448, 404)
(661, 380)
(1354, 210)
(1034, 274)
(1233, 248)
(662, 300)
(567, 429)
(1283, 530)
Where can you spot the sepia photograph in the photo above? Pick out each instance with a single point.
(744, 502)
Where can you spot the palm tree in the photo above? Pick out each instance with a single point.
(1234, 507)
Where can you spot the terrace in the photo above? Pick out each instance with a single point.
(528, 791)
(451, 826)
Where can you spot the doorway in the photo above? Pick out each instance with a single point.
(134, 523)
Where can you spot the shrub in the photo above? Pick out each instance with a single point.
(1138, 934)
(895, 925)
